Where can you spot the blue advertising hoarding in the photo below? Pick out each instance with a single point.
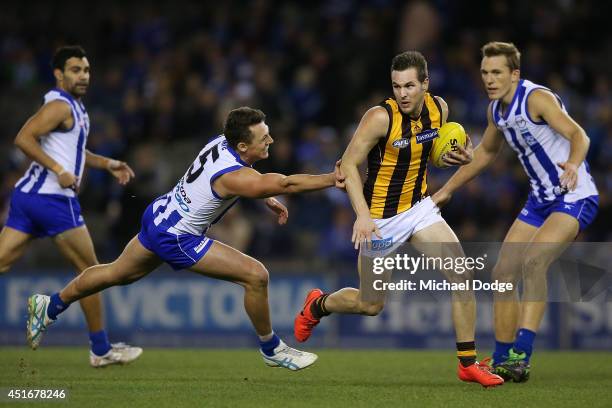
(183, 309)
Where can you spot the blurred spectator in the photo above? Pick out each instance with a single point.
(164, 77)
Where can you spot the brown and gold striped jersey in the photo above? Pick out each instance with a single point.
(397, 165)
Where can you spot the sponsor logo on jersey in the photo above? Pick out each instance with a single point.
(379, 244)
(529, 139)
(401, 143)
(181, 196)
(426, 136)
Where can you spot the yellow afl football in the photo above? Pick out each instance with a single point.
(450, 135)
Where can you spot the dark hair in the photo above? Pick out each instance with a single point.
(411, 59)
(64, 53)
(508, 50)
(236, 128)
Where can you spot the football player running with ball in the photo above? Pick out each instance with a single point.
(396, 138)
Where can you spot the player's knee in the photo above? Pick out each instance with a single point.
(456, 277)
(505, 271)
(371, 309)
(258, 276)
(533, 263)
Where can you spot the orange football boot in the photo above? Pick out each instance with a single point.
(305, 322)
(479, 373)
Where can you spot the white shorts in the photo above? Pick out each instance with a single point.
(399, 228)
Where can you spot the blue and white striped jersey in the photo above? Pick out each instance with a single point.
(65, 147)
(539, 148)
(193, 205)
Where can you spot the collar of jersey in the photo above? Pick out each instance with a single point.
(237, 156)
(70, 97)
(511, 106)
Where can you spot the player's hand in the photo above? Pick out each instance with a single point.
(441, 197)
(121, 171)
(340, 177)
(67, 180)
(279, 209)
(569, 178)
(462, 156)
(362, 231)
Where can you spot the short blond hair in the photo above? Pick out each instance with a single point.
(509, 50)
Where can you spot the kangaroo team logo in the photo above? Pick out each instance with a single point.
(521, 123)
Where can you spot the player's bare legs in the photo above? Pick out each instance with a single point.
(463, 303)
(134, 263)
(77, 247)
(220, 262)
(346, 300)
(349, 300)
(12, 245)
(548, 243)
(506, 308)
(224, 262)
(530, 262)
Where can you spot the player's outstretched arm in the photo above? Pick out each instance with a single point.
(484, 154)
(51, 116)
(371, 129)
(248, 182)
(119, 169)
(543, 105)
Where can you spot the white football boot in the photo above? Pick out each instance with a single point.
(288, 357)
(120, 353)
(38, 321)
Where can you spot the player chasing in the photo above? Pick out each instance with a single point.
(44, 201)
(393, 203)
(174, 231)
(563, 199)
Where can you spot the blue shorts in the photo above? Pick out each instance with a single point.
(535, 213)
(43, 215)
(179, 251)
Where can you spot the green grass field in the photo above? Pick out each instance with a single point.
(359, 378)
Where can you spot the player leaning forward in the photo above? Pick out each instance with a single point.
(393, 203)
(563, 199)
(174, 231)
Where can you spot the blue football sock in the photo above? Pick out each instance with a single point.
(524, 342)
(268, 346)
(501, 351)
(99, 342)
(56, 306)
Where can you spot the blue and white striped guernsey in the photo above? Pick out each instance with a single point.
(539, 148)
(65, 147)
(193, 205)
